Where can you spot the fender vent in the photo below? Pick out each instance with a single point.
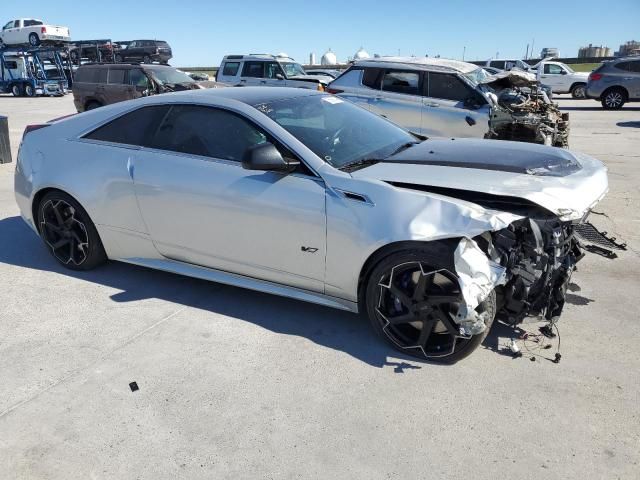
(356, 197)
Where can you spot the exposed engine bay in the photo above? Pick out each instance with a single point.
(523, 112)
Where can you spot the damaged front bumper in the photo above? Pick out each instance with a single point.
(529, 264)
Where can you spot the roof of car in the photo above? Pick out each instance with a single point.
(423, 63)
(249, 95)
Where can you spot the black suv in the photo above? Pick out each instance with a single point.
(145, 51)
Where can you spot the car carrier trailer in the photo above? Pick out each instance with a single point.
(35, 71)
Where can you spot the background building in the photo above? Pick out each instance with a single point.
(591, 51)
(630, 48)
(549, 53)
(329, 58)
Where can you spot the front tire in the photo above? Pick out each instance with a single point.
(118, 58)
(146, 59)
(34, 40)
(613, 99)
(411, 300)
(579, 91)
(69, 233)
(29, 91)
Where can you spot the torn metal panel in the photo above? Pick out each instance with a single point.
(478, 276)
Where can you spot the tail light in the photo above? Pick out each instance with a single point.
(43, 30)
(33, 128)
(595, 76)
(334, 91)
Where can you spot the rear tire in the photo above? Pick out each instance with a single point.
(413, 290)
(118, 58)
(16, 90)
(613, 99)
(146, 59)
(34, 40)
(579, 91)
(69, 233)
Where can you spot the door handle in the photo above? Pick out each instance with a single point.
(377, 99)
(263, 82)
(434, 105)
(470, 121)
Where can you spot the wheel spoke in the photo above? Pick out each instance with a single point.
(424, 283)
(58, 215)
(60, 243)
(401, 296)
(441, 299)
(448, 323)
(425, 333)
(400, 319)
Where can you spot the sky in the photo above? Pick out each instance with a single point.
(201, 32)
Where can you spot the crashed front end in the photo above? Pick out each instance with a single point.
(523, 112)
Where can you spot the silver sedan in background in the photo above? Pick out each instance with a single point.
(306, 195)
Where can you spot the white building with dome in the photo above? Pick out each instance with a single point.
(329, 58)
(361, 54)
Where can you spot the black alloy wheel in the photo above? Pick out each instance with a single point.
(69, 233)
(413, 305)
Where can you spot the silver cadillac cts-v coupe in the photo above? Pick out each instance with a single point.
(306, 195)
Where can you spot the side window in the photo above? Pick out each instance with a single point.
(11, 64)
(83, 75)
(622, 66)
(134, 128)
(8, 25)
(551, 69)
(253, 69)
(117, 76)
(16, 24)
(138, 78)
(208, 132)
(231, 68)
(448, 87)
(133, 45)
(100, 75)
(497, 64)
(401, 82)
(634, 66)
(372, 77)
(31, 23)
(271, 69)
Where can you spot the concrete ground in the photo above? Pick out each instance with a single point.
(237, 384)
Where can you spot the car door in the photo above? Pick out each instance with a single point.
(202, 207)
(632, 81)
(10, 33)
(117, 88)
(140, 84)
(399, 99)
(553, 76)
(132, 51)
(453, 108)
(274, 76)
(252, 73)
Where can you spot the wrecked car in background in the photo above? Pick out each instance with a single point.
(448, 98)
(431, 239)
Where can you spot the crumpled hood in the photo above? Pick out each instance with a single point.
(511, 78)
(564, 182)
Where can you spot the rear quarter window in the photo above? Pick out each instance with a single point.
(372, 77)
(231, 69)
(622, 66)
(634, 66)
(133, 128)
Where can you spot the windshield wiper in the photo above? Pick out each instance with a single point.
(358, 164)
(403, 147)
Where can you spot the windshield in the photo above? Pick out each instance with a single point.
(477, 76)
(335, 130)
(291, 69)
(170, 76)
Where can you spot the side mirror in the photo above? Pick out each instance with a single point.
(266, 157)
(279, 76)
(564, 72)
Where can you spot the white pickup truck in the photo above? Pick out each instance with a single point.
(33, 32)
(561, 78)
